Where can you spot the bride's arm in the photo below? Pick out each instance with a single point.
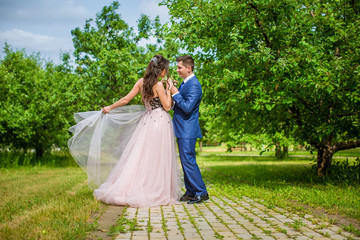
(165, 96)
(125, 100)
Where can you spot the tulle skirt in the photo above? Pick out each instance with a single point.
(146, 170)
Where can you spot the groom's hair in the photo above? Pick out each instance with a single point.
(187, 61)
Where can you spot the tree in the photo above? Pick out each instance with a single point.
(108, 57)
(278, 66)
(38, 98)
(35, 102)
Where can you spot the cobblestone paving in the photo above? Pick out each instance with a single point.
(228, 218)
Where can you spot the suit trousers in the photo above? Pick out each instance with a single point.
(194, 183)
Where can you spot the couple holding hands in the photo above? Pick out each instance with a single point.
(129, 152)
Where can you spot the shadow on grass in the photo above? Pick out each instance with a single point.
(255, 158)
(268, 171)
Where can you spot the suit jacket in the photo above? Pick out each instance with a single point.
(186, 110)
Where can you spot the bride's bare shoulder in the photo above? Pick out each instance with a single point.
(159, 84)
(139, 83)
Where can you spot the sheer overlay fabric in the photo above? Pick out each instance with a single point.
(129, 155)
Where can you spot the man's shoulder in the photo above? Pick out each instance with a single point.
(196, 82)
(194, 79)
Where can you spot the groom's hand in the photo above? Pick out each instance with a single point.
(174, 90)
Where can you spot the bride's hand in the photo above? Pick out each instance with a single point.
(169, 83)
(106, 109)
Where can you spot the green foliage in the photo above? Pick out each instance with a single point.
(144, 27)
(36, 102)
(276, 66)
(345, 172)
(12, 159)
(124, 225)
(38, 98)
(19, 158)
(109, 60)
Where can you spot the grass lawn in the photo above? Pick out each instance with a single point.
(55, 202)
(45, 203)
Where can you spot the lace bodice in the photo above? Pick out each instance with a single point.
(155, 103)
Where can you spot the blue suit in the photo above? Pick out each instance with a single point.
(187, 130)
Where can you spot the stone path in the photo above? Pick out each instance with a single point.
(226, 218)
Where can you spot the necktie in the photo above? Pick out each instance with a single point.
(181, 85)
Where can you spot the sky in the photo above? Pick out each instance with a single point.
(45, 25)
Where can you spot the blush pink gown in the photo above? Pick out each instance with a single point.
(147, 171)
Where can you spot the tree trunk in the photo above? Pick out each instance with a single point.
(324, 158)
(39, 152)
(285, 151)
(326, 151)
(277, 150)
(281, 152)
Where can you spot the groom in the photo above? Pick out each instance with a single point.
(187, 129)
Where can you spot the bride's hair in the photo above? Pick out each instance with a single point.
(156, 65)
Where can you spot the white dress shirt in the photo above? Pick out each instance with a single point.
(188, 77)
(185, 80)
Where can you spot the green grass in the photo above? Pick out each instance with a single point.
(124, 225)
(348, 153)
(221, 149)
(14, 159)
(290, 183)
(51, 200)
(45, 203)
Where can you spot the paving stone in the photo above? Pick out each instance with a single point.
(212, 237)
(280, 236)
(157, 235)
(244, 235)
(230, 238)
(192, 235)
(180, 237)
(312, 234)
(139, 237)
(203, 228)
(190, 230)
(227, 234)
(140, 233)
(337, 237)
(266, 237)
(302, 237)
(124, 236)
(230, 218)
(334, 228)
(250, 227)
(240, 231)
(221, 228)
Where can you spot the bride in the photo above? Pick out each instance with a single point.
(128, 151)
